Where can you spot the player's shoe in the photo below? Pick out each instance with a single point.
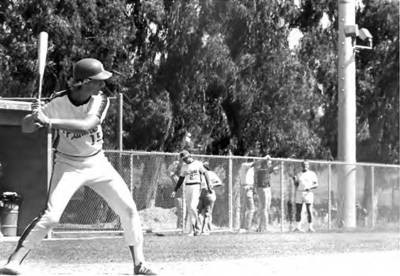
(311, 229)
(297, 229)
(141, 269)
(9, 269)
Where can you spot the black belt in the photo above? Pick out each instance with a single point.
(189, 184)
(268, 186)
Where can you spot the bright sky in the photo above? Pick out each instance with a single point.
(294, 38)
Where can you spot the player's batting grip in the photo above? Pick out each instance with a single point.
(42, 53)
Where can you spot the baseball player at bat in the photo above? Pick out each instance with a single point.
(76, 114)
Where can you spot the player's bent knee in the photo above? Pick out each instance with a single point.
(129, 212)
(50, 220)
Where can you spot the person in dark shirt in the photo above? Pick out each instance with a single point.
(262, 181)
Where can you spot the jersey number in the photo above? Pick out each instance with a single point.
(96, 137)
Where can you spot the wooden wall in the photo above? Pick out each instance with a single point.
(24, 159)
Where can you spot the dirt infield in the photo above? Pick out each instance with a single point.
(363, 254)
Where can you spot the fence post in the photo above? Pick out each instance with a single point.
(373, 197)
(282, 195)
(184, 211)
(50, 156)
(398, 187)
(329, 196)
(120, 123)
(230, 189)
(131, 173)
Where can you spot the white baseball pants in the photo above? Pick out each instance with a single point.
(192, 195)
(98, 174)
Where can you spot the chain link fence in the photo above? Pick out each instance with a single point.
(148, 176)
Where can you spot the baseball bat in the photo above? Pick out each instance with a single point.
(42, 53)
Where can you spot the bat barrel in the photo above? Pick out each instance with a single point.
(42, 53)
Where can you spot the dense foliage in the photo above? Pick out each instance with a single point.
(221, 70)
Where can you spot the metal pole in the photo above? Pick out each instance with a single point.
(49, 166)
(282, 195)
(184, 210)
(120, 120)
(329, 197)
(230, 186)
(131, 173)
(347, 112)
(373, 197)
(398, 187)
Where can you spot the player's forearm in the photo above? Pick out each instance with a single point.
(178, 185)
(73, 124)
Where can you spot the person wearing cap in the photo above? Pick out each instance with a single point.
(191, 173)
(305, 182)
(76, 115)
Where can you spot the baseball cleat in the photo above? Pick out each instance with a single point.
(141, 269)
(9, 270)
(297, 229)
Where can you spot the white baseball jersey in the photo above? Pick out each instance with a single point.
(193, 172)
(249, 179)
(243, 173)
(307, 180)
(75, 143)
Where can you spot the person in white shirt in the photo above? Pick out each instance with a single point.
(305, 182)
(76, 114)
(246, 174)
(191, 173)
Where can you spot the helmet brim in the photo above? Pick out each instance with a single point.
(104, 75)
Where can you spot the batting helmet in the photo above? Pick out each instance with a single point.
(90, 68)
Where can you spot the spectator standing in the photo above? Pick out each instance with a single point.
(246, 175)
(305, 182)
(192, 172)
(207, 200)
(262, 180)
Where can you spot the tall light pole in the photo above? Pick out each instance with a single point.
(348, 33)
(347, 113)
